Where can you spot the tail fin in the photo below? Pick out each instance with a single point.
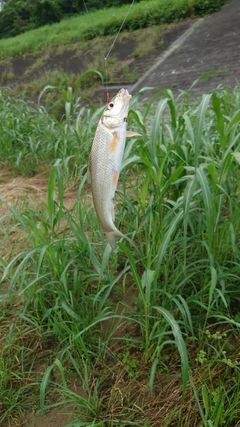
(111, 238)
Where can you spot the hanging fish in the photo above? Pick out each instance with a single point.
(105, 161)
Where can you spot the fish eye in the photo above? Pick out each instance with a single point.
(111, 104)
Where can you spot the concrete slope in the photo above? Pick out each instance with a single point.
(210, 44)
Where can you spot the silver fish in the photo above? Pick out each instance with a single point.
(105, 161)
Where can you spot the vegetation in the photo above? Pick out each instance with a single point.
(107, 337)
(118, 335)
(30, 74)
(89, 25)
(20, 16)
(31, 139)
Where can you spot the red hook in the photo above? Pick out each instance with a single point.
(108, 98)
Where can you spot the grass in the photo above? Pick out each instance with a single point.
(31, 139)
(38, 55)
(136, 329)
(105, 22)
(29, 84)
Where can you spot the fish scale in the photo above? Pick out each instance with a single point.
(105, 161)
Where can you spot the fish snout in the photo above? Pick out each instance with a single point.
(124, 94)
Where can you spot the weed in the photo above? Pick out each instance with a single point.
(105, 22)
(124, 74)
(178, 200)
(7, 76)
(31, 139)
(148, 41)
(42, 60)
(131, 364)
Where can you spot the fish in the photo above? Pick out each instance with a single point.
(105, 161)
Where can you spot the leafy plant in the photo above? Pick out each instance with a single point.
(130, 325)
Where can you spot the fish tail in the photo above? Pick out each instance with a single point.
(111, 238)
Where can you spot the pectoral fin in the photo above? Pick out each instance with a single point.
(130, 133)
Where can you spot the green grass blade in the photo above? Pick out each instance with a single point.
(213, 284)
(156, 131)
(199, 129)
(152, 376)
(51, 197)
(135, 274)
(43, 386)
(208, 203)
(179, 343)
(235, 120)
(166, 241)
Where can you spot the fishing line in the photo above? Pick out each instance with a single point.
(112, 45)
(114, 41)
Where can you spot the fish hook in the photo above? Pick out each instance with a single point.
(108, 97)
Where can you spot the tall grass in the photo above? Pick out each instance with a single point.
(30, 139)
(105, 22)
(178, 200)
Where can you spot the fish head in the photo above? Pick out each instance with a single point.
(116, 110)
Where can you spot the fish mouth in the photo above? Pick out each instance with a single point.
(123, 93)
(117, 110)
